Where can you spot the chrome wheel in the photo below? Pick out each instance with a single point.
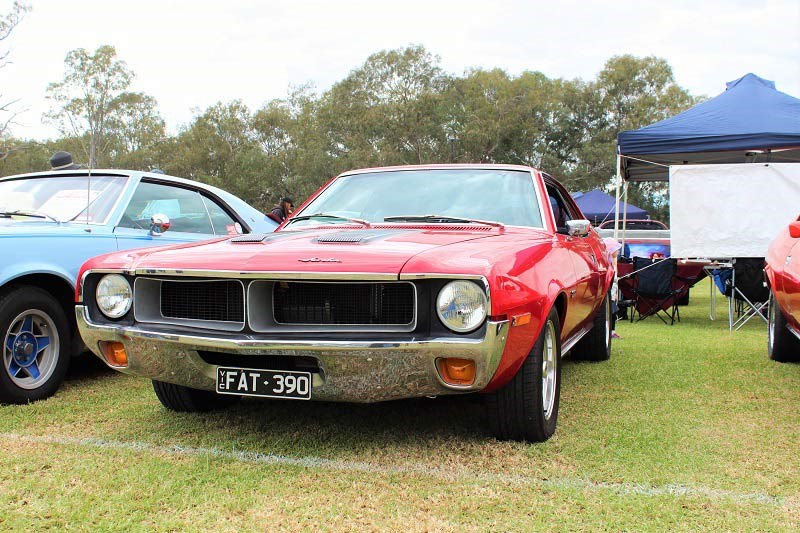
(771, 328)
(549, 366)
(608, 321)
(30, 350)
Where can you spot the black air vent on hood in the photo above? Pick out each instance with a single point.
(355, 236)
(253, 238)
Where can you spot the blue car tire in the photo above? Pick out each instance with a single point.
(36, 345)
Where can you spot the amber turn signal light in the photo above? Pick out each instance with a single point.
(114, 353)
(457, 371)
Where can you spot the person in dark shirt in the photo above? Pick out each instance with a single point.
(282, 210)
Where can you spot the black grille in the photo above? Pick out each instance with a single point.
(203, 300)
(344, 303)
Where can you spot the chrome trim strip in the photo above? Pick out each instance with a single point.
(80, 285)
(793, 331)
(300, 276)
(572, 341)
(436, 275)
(266, 274)
(539, 199)
(251, 342)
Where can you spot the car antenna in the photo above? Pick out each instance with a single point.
(88, 193)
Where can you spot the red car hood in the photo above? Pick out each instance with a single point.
(377, 250)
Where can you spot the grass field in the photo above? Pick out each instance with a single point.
(687, 427)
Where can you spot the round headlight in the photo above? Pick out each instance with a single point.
(114, 295)
(461, 306)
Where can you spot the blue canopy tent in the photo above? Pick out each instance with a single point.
(750, 122)
(598, 207)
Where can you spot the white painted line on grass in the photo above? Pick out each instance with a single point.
(639, 489)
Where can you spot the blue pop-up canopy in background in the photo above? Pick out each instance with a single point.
(598, 206)
(750, 120)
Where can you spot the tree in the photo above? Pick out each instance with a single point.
(7, 112)
(220, 148)
(389, 110)
(629, 93)
(93, 103)
(137, 133)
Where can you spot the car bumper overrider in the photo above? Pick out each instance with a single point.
(348, 370)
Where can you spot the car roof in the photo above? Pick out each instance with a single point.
(120, 173)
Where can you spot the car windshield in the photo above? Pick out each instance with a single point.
(450, 195)
(62, 198)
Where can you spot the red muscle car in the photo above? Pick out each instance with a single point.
(783, 276)
(387, 283)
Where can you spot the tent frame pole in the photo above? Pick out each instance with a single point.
(624, 212)
(617, 180)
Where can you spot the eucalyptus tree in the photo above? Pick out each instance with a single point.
(93, 103)
(389, 110)
(8, 108)
(219, 147)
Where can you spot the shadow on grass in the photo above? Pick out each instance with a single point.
(330, 428)
(87, 367)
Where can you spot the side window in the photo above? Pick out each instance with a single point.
(221, 221)
(184, 207)
(561, 211)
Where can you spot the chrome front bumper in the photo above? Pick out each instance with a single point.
(350, 371)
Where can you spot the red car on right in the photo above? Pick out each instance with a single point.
(783, 275)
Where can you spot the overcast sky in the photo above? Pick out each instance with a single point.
(191, 54)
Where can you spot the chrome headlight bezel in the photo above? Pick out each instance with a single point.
(462, 306)
(114, 296)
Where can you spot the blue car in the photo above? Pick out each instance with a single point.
(51, 222)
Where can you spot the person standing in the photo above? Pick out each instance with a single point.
(612, 249)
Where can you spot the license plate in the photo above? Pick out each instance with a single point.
(264, 383)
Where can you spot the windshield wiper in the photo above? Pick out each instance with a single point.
(442, 219)
(32, 214)
(327, 215)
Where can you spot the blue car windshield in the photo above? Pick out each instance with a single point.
(62, 198)
(505, 196)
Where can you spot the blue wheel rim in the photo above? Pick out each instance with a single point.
(30, 349)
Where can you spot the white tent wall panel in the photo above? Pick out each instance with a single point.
(735, 210)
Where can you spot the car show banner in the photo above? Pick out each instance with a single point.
(732, 210)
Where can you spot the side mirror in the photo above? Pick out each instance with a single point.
(578, 228)
(159, 224)
(794, 230)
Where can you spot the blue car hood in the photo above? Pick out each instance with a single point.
(17, 228)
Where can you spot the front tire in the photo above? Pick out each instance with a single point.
(186, 400)
(527, 407)
(36, 345)
(782, 345)
(596, 345)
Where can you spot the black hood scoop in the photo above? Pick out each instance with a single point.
(253, 238)
(356, 236)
